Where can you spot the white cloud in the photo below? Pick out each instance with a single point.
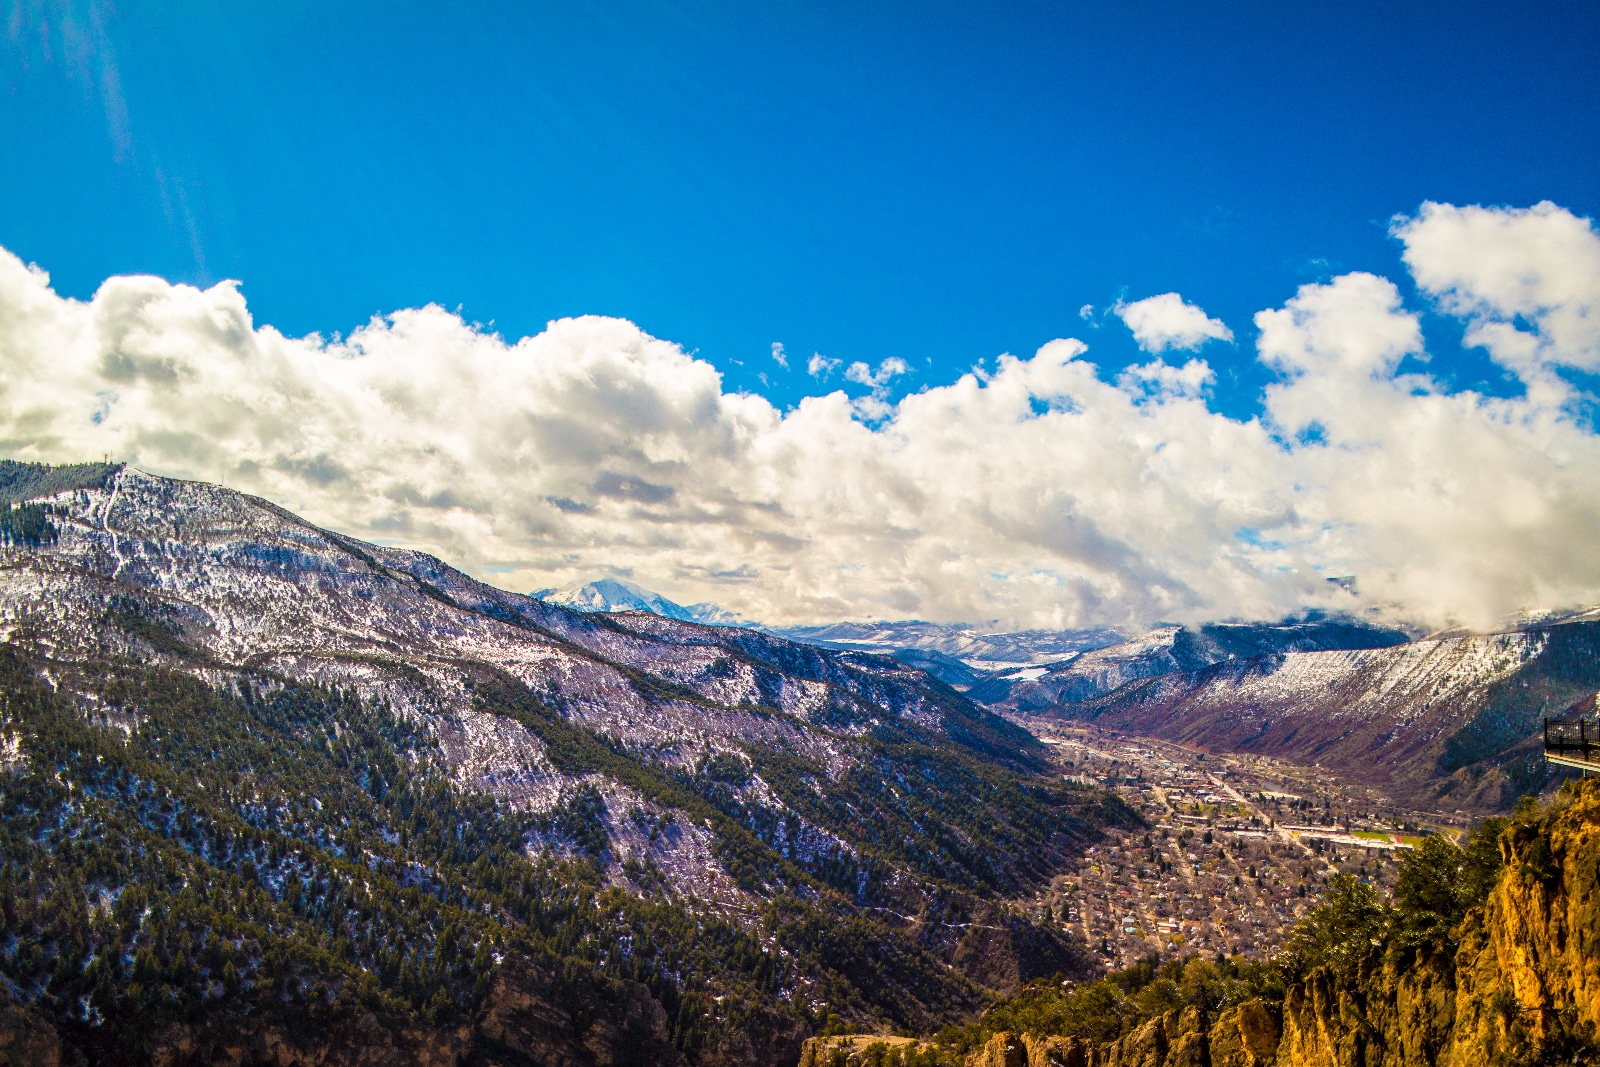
(874, 407)
(780, 357)
(1038, 494)
(1162, 379)
(820, 366)
(1165, 322)
(862, 374)
(1494, 266)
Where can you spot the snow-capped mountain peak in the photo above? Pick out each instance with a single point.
(613, 594)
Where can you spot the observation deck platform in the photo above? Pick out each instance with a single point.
(1573, 743)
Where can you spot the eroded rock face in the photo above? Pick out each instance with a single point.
(1524, 985)
(1003, 1050)
(1401, 1007)
(1176, 1039)
(1246, 1036)
(1538, 967)
(1056, 1052)
(765, 1039)
(27, 1042)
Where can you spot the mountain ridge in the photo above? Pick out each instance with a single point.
(1427, 717)
(1443, 723)
(839, 828)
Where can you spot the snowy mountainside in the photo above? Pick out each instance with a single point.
(251, 584)
(975, 647)
(1173, 650)
(612, 594)
(1445, 722)
(615, 594)
(717, 768)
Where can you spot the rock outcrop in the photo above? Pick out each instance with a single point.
(1246, 1036)
(1523, 986)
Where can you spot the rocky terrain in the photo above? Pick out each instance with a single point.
(282, 775)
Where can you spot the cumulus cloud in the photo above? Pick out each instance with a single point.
(779, 356)
(1038, 494)
(1527, 281)
(1165, 322)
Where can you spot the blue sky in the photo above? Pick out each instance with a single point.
(934, 182)
(911, 188)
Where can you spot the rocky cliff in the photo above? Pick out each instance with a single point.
(1522, 986)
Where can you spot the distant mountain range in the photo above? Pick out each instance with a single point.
(957, 654)
(1446, 720)
(1176, 649)
(1024, 670)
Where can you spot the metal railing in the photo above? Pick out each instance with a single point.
(1572, 741)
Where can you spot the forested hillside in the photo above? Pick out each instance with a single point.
(268, 794)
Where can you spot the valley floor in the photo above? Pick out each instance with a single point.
(1237, 847)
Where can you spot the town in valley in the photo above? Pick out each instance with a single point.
(1237, 847)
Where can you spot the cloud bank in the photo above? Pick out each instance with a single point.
(1038, 494)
